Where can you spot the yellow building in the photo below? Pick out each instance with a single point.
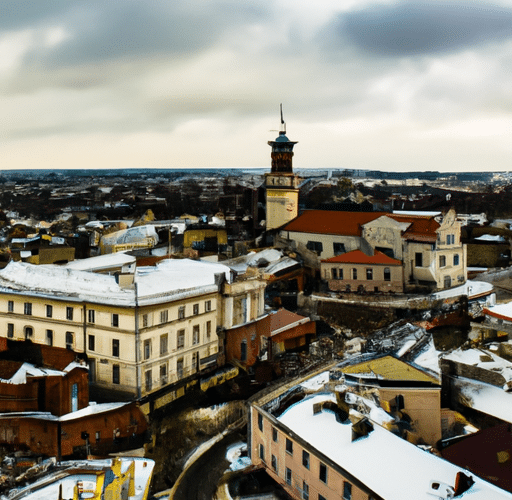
(282, 185)
(157, 330)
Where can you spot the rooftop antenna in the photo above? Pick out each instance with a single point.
(282, 130)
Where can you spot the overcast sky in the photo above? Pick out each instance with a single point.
(387, 85)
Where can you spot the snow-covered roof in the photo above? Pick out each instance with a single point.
(503, 311)
(92, 409)
(27, 370)
(171, 279)
(471, 288)
(390, 466)
(102, 261)
(486, 398)
(491, 237)
(62, 482)
(484, 359)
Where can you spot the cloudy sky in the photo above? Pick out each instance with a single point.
(379, 84)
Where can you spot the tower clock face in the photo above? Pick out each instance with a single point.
(278, 180)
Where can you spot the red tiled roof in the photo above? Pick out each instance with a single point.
(331, 222)
(358, 257)
(282, 318)
(422, 227)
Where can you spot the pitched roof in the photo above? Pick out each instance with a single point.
(283, 318)
(331, 222)
(422, 227)
(390, 368)
(358, 257)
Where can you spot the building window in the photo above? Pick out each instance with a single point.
(289, 446)
(450, 239)
(164, 316)
(456, 259)
(91, 316)
(369, 274)
(274, 434)
(354, 273)
(29, 332)
(195, 361)
(147, 349)
(442, 261)
(338, 248)
(243, 350)
(387, 274)
(69, 340)
(260, 422)
(340, 273)
(144, 321)
(262, 452)
(147, 380)
(347, 491)
(164, 344)
(115, 374)
(163, 374)
(418, 259)
(27, 308)
(273, 462)
(98, 436)
(323, 473)
(181, 339)
(179, 368)
(115, 320)
(315, 246)
(10, 330)
(305, 491)
(91, 342)
(288, 476)
(334, 273)
(115, 348)
(208, 329)
(195, 334)
(208, 306)
(69, 313)
(10, 306)
(305, 459)
(181, 312)
(196, 309)
(49, 311)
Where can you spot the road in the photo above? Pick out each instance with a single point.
(199, 482)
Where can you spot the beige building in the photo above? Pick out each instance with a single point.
(429, 247)
(154, 331)
(325, 445)
(357, 272)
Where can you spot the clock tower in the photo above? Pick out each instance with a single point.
(281, 184)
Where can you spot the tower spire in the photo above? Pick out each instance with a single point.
(282, 129)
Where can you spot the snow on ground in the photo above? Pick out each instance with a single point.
(234, 456)
(317, 382)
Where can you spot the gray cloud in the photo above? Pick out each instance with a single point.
(413, 27)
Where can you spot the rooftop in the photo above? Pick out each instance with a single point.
(390, 466)
(359, 257)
